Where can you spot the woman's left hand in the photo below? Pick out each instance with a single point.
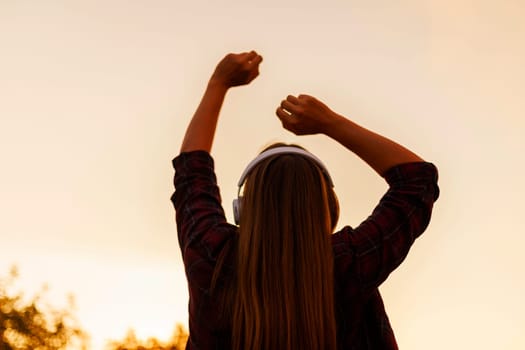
(237, 69)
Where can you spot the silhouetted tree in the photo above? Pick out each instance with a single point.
(130, 342)
(31, 325)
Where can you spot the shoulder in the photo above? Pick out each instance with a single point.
(192, 159)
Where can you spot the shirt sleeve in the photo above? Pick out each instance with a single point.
(201, 224)
(381, 242)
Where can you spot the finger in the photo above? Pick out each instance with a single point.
(246, 57)
(256, 60)
(284, 116)
(287, 120)
(292, 99)
(250, 56)
(290, 107)
(254, 74)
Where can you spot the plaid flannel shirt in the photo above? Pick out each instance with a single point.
(363, 257)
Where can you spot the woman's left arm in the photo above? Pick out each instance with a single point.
(232, 70)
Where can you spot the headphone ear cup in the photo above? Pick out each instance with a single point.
(237, 210)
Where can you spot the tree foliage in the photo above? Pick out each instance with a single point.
(130, 342)
(33, 325)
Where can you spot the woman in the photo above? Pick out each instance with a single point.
(282, 279)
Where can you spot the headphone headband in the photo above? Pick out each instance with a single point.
(237, 203)
(284, 150)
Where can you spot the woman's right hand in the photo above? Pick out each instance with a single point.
(305, 115)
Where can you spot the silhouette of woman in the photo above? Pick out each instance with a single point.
(282, 279)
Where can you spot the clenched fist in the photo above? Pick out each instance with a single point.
(237, 69)
(305, 115)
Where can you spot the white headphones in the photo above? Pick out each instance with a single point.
(268, 153)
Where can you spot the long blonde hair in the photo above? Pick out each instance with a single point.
(283, 290)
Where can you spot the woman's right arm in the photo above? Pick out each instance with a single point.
(304, 115)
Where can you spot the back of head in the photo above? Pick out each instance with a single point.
(284, 284)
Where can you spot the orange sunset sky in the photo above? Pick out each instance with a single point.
(95, 97)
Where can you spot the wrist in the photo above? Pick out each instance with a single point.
(217, 85)
(332, 124)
